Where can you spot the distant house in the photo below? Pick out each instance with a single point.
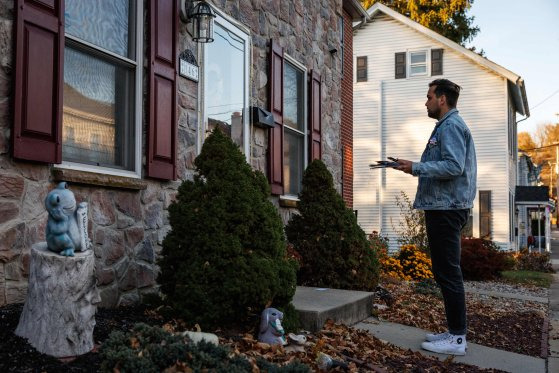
(395, 59)
(533, 206)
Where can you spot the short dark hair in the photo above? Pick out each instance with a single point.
(449, 89)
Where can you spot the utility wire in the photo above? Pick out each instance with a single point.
(547, 98)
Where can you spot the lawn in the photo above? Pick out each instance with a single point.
(541, 279)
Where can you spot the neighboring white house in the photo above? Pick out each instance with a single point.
(533, 206)
(395, 59)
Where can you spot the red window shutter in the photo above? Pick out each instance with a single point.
(162, 133)
(275, 137)
(37, 128)
(315, 117)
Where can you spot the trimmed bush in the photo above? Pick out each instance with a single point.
(150, 349)
(540, 262)
(225, 258)
(482, 259)
(333, 248)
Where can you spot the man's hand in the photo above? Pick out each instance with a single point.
(404, 165)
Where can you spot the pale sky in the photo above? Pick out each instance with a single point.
(523, 37)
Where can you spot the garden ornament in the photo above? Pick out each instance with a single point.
(66, 230)
(271, 331)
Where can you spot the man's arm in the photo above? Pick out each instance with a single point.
(453, 154)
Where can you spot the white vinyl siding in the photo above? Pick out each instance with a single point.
(405, 127)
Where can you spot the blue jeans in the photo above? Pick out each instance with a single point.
(443, 233)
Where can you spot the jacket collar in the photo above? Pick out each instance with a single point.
(448, 113)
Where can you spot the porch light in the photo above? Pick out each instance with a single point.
(201, 18)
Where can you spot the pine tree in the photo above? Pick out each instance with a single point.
(225, 258)
(334, 249)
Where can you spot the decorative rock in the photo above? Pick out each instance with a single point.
(197, 337)
(59, 312)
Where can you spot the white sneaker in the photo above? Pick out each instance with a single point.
(433, 337)
(451, 345)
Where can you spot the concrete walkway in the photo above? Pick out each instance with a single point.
(478, 355)
(553, 360)
(350, 307)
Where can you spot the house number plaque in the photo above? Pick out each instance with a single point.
(188, 67)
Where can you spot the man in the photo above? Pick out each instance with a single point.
(446, 190)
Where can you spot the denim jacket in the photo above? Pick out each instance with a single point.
(448, 170)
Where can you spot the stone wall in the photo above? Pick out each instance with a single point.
(127, 226)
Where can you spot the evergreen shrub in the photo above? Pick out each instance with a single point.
(150, 349)
(482, 259)
(333, 248)
(225, 258)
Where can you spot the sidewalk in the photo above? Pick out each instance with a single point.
(482, 356)
(553, 360)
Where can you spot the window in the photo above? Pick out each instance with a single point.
(226, 63)
(101, 113)
(296, 137)
(362, 69)
(294, 114)
(417, 63)
(485, 214)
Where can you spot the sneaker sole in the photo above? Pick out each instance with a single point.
(445, 352)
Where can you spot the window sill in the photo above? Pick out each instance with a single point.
(289, 201)
(91, 178)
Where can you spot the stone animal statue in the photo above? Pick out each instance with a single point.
(66, 230)
(271, 331)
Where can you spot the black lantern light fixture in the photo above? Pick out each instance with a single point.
(201, 17)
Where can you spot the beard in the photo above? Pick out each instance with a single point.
(434, 113)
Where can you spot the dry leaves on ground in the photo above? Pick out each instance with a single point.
(360, 349)
(506, 324)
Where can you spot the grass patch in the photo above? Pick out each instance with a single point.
(541, 279)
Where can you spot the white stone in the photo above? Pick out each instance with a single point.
(59, 313)
(197, 337)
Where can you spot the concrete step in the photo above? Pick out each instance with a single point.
(316, 305)
(478, 355)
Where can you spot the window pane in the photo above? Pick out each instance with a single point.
(293, 153)
(98, 111)
(417, 70)
(293, 100)
(418, 57)
(106, 23)
(225, 84)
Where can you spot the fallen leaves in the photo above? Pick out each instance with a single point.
(358, 348)
(506, 324)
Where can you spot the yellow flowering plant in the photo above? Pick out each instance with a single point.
(410, 264)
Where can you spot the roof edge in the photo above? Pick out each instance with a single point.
(355, 10)
(498, 69)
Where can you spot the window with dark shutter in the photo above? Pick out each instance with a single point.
(162, 134)
(37, 131)
(362, 69)
(485, 214)
(400, 65)
(436, 61)
(275, 137)
(315, 125)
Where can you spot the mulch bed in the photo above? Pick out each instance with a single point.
(365, 352)
(516, 326)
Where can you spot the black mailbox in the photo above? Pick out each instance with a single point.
(261, 117)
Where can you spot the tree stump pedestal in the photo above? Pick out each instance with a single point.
(59, 313)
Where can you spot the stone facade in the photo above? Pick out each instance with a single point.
(127, 225)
